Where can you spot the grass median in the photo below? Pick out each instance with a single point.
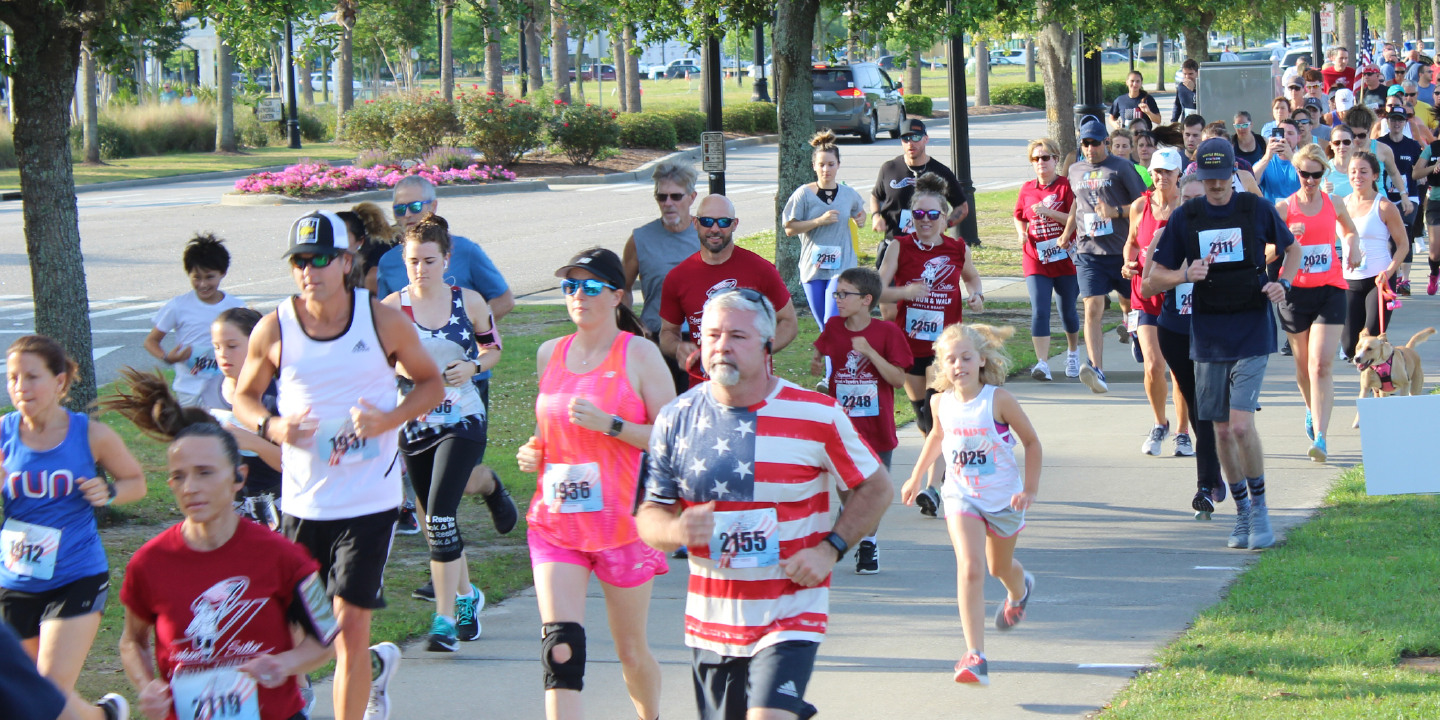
(154, 166)
(1320, 627)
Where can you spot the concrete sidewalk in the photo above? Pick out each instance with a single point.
(1121, 569)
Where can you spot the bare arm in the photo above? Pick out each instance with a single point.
(1247, 181)
(1398, 236)
(481, 314)
(501, 306)
(631, 261)
(111, 454)
(672, 344)
(1131, 251)
(261, 363)
(138, 660)
(787, 326)
(646, 370)
(1347, 225)
(152, 346)
(889, 294)
(1007, 410)
(397, 336)
(971, 275)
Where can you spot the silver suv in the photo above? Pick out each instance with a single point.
(857, 99)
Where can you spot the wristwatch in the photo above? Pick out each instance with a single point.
(1284, 284)
(616, 426)
(837, 542)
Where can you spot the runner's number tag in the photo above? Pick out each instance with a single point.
(859, 399)
(202, 362)
(745, 539)
(215, 694)
(1132, 321)
(924, 324)
(825, 257)
(573, 488)
(1092, 225)
(1050, 251)
(1223, 245)
(975, 462)
(1184, 297)
(30, 550)
(1315, 258)
(447, 412)
(337, 438)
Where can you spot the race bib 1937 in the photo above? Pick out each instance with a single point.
(336, 440)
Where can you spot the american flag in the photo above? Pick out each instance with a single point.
(714, 453)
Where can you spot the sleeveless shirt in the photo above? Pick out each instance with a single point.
(922, 320)
(462, 412)
(1374, 245)
(1144, 236)
(49, 536)
(1318, 264)
(979, 453)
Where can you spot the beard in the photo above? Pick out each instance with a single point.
(725, 374)
(723, 240)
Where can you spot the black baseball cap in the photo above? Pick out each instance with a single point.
(1215, 159)
(1397, 113)
(318, 233)
(605, 264)
(915, 125)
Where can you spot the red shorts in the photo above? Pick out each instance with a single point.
(626, 566)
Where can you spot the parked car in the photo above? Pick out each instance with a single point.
(1113, 57)
(932, 63)
(858, 99)
(680, 71)
(655, 72)
(1000, 56)
(1146, 50)
(317, 78)
(607, 73)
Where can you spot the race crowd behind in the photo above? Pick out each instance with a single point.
(301, 441)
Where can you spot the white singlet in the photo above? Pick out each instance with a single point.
(979, 453)
(336, 475)
(1374, 245)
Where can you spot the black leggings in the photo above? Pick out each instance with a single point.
(440, 475)
(1362, 310)
(1175, 347)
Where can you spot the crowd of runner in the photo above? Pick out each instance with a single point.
(299, 442)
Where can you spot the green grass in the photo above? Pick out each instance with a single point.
(186, 163)
(1317, 627)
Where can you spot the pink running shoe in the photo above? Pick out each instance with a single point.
(972, 670)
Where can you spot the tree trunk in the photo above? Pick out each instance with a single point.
(580, 36)
(982, 73)
(1055, 53)
(1030, 59)
(44, 61)
(794, 27)
(1419, 28)
(1197, 38)
(532, 47)
(850, 33)
(447, 50)
(345, 83)
(1435, 22)
(91, 110)
(326, 76)
(302, 80)
(622, 70)
(1393, 29)
(912, 73)
(494, 71)
(1347, 34)
(225, 120)
(1160, 60)
(559, 51)
(632, 72)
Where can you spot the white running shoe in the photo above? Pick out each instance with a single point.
(1155, 440)
(1183, 446)
(1072, 363)
(1094, 378)
(1041, 371)
(387, 655)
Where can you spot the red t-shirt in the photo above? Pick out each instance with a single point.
(694, 281)
(1040, 229)
(866, 397)
(923, 320)
(224, 607)
(1344, 78)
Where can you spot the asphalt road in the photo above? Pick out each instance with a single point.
(132, 238)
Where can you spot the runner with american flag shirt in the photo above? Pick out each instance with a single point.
(740, 472)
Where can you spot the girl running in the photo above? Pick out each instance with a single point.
(1313, 313)
(259, 500)
(819, 213)
(977, 425)
(54, 578)
(210, 603)
(371, 235)
(1342, 144)
(922, 273)
(1382, 247)
(443, 446)
(1042, 220)
(600, 390)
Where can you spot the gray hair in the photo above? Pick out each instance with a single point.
(681, 174)
(1410, 86)
(426, 188)
(735, 299)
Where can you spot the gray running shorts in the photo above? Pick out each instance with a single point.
(1220, 386)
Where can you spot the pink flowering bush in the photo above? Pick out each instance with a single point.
(312, 179)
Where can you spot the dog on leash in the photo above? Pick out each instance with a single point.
(1387, 369)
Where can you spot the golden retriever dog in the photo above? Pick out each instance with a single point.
(1387, 369)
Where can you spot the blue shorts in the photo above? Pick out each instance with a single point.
(1147, 319)
(1099, 274)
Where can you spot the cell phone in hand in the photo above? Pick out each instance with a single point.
(1277, 133)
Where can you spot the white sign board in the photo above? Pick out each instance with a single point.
(270, 110)
(1395, 437)
(1327, 18)
(712, 150)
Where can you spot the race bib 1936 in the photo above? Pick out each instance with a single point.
(924, 324)
(214, 694)
(858, 399)
(1224, 245)
(30, 550)
(573, 488)
(745, 539)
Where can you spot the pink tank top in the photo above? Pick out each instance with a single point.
(587, 479)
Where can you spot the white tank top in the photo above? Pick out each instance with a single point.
(979, 453)
(336, 475)
(1374, 245)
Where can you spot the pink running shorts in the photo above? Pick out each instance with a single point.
(626, 566)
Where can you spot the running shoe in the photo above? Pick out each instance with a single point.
(442, 635)
(408, 524)
(424, 592)
(1123, 333)
(1072, 363)
(1285, 349)
(1009, 614)
(1202, 506)
(307, 695)
(1094, 378)
(822, 386)
(1135, 350)
(1261, 535)
(1403, 287)
(115, 707)
(1240, 536)
(972, 670)
(1041, 371)
(1183, 446)
(1309, 425)
(1431, 286)
(867, 558)
(681, 553)
(1217, 493)
(502, 507)
(384, 662)
(467, 614)
(1155, 440)
(929, 502)
(1318, 451)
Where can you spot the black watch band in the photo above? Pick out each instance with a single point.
(837, 542)
(617, 426)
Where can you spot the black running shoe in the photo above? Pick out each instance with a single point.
(502, 507)
(408, 524)
(1202, 505)
(681, 553)
(929, 502)
(867, 558)
(425, 592)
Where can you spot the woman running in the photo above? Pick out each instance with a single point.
(444, 445)
(986, 494)
(259, 499)
(600, 389)
(1042, 220)
(1381, 248)
(54, 577)
(1148, 215)
(371, 235)
(820, 213)
(210, 603)
(1313, 313)
(921, 272)
(1338, 150)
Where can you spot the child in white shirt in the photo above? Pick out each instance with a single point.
(197, 377)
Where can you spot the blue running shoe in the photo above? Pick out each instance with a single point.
(1309, 426)
(1317, 451)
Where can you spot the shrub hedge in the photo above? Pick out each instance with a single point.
(688, 125)
(500, 127)
(584, 131)
(923, 106)
(647, 130)
(1027, 94)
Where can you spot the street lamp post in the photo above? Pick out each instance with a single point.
(1089, 104)
(294, 122)
(960, 131)
(524, 79)
(710, 74)
(761, 92)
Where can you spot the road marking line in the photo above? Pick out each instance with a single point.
(132, 308)
(146, 316)
(92, 332)
(14, 297)
(103, 351)
(629, 188)
(595, 188)
(1216, 567)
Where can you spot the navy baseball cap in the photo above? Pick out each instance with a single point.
(1215, 159)
(1093, 129)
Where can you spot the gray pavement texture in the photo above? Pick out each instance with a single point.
(1121, 568)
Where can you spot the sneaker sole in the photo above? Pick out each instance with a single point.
(407, 531)
(441, 644)
(1181, 453)
(1092, 381)
(927, 504)
(1155, 451)
(1237, 543)
(1318, 455)
(1040, 375)
(426, 598)
(965, 677)
(867, 571)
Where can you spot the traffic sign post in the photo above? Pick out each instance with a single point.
(712, 151)
(1327, 18)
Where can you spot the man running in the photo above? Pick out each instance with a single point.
(1185, 96)
(890, 198)
(761, 549)
(655, 248)
(1219, 245)
(337, 431)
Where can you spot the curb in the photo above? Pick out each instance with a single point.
(257, 200)
(1001, 117)
(644, 172)
(169, 179)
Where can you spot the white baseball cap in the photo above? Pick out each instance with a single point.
(1344, 99)
(1166, 158)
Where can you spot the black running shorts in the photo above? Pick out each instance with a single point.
(775, 677)
(352, 553)
(25, 611)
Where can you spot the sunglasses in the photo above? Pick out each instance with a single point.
(1339, 142)
(926, 214)
(1042, 158)
(1091, 143)
(300, 262)
(1309, 86)
(1242, 126)
(672, 197)
(1412, 94)
(1311, 175)
(414, 207)
(709, 222)
(842, 294)
(912, 137)
(591, 287)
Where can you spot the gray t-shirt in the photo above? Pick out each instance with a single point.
(1115, 181)
(658, 251)
(825, 251)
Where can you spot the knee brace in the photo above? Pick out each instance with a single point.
(923, 419)
(569, 675)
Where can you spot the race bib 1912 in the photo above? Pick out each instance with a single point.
(745, 539)
(30, 550)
